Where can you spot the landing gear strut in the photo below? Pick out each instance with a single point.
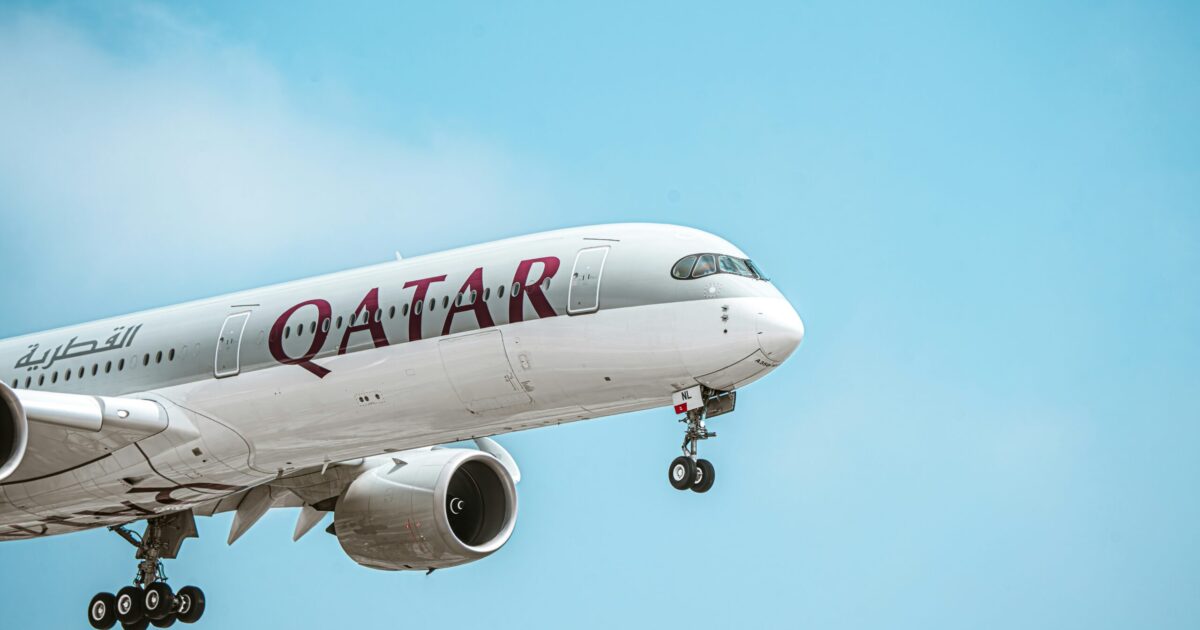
(149, 600)
(686, 471)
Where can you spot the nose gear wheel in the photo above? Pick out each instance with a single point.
(687, 472)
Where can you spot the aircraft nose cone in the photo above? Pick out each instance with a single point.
(780, 330)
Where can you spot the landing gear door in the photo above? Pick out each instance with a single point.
(584, 294)
(229, 346)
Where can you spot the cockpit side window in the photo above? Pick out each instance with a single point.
(757, 270)
(705, 266)
(683, 268)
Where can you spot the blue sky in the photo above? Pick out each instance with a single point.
(987, 215)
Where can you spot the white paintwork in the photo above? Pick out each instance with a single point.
(264, 422)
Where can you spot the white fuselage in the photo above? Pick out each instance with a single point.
(264, 383)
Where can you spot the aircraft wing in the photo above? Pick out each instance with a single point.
(43, 433)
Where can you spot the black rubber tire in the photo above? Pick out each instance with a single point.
(191, 604)
(165, 622)
(102, 611)
(137, 625)
(158, 600)
(130, 597)
(681, 472)
(705, 476)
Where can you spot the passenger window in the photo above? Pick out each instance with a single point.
(683, 268)
(28, 381)
(516, 290)
(146, 359)
(325, 325)
(446, 301)
(378, 314)
(121, 365)
(705, 266)
(41, 380)
(500, 292)
(474, 296)
(391, 312)
(66, 375)
(417, 309)
(82, 371)
(404, 311)
(432, 304)
(487, 294)
(339, 321)
(158, 357)
(287, 332)
(108, 367)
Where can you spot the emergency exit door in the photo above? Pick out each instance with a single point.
(229, 346)
(584, 294)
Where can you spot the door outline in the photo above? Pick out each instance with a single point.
(235, 330)
(470, 387)
(595, 301)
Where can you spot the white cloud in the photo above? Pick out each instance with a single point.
(181, 148)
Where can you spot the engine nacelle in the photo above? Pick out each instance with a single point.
(434, 509)
(14, 431)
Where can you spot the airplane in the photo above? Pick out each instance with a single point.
(352, 394)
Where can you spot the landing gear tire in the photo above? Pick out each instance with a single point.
(150, 599)
(102, 611)
(704, 477)
(129, 605)
(158, 600)
(191, 604)
(681, 473)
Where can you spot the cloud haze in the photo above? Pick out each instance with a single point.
(192, 152)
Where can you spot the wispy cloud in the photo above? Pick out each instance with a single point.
(124, 156)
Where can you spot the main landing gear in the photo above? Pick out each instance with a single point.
(149, 600)
(686, 471)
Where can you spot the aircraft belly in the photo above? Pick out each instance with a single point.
(369, 401)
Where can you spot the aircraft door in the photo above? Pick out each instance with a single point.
(229, 346)
(584, 293)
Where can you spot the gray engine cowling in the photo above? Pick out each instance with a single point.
(435, 509)
(14, 431)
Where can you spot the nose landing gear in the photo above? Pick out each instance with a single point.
(150, 601)
(686, 471)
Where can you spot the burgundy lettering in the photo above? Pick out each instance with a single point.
(369, 304)
(473, 285)
(306, 360)
(414, 320)
(532, 289)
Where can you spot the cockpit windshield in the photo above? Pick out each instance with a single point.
(701, 265)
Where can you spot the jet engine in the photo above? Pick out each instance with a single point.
(14, 431)
(427, 510)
